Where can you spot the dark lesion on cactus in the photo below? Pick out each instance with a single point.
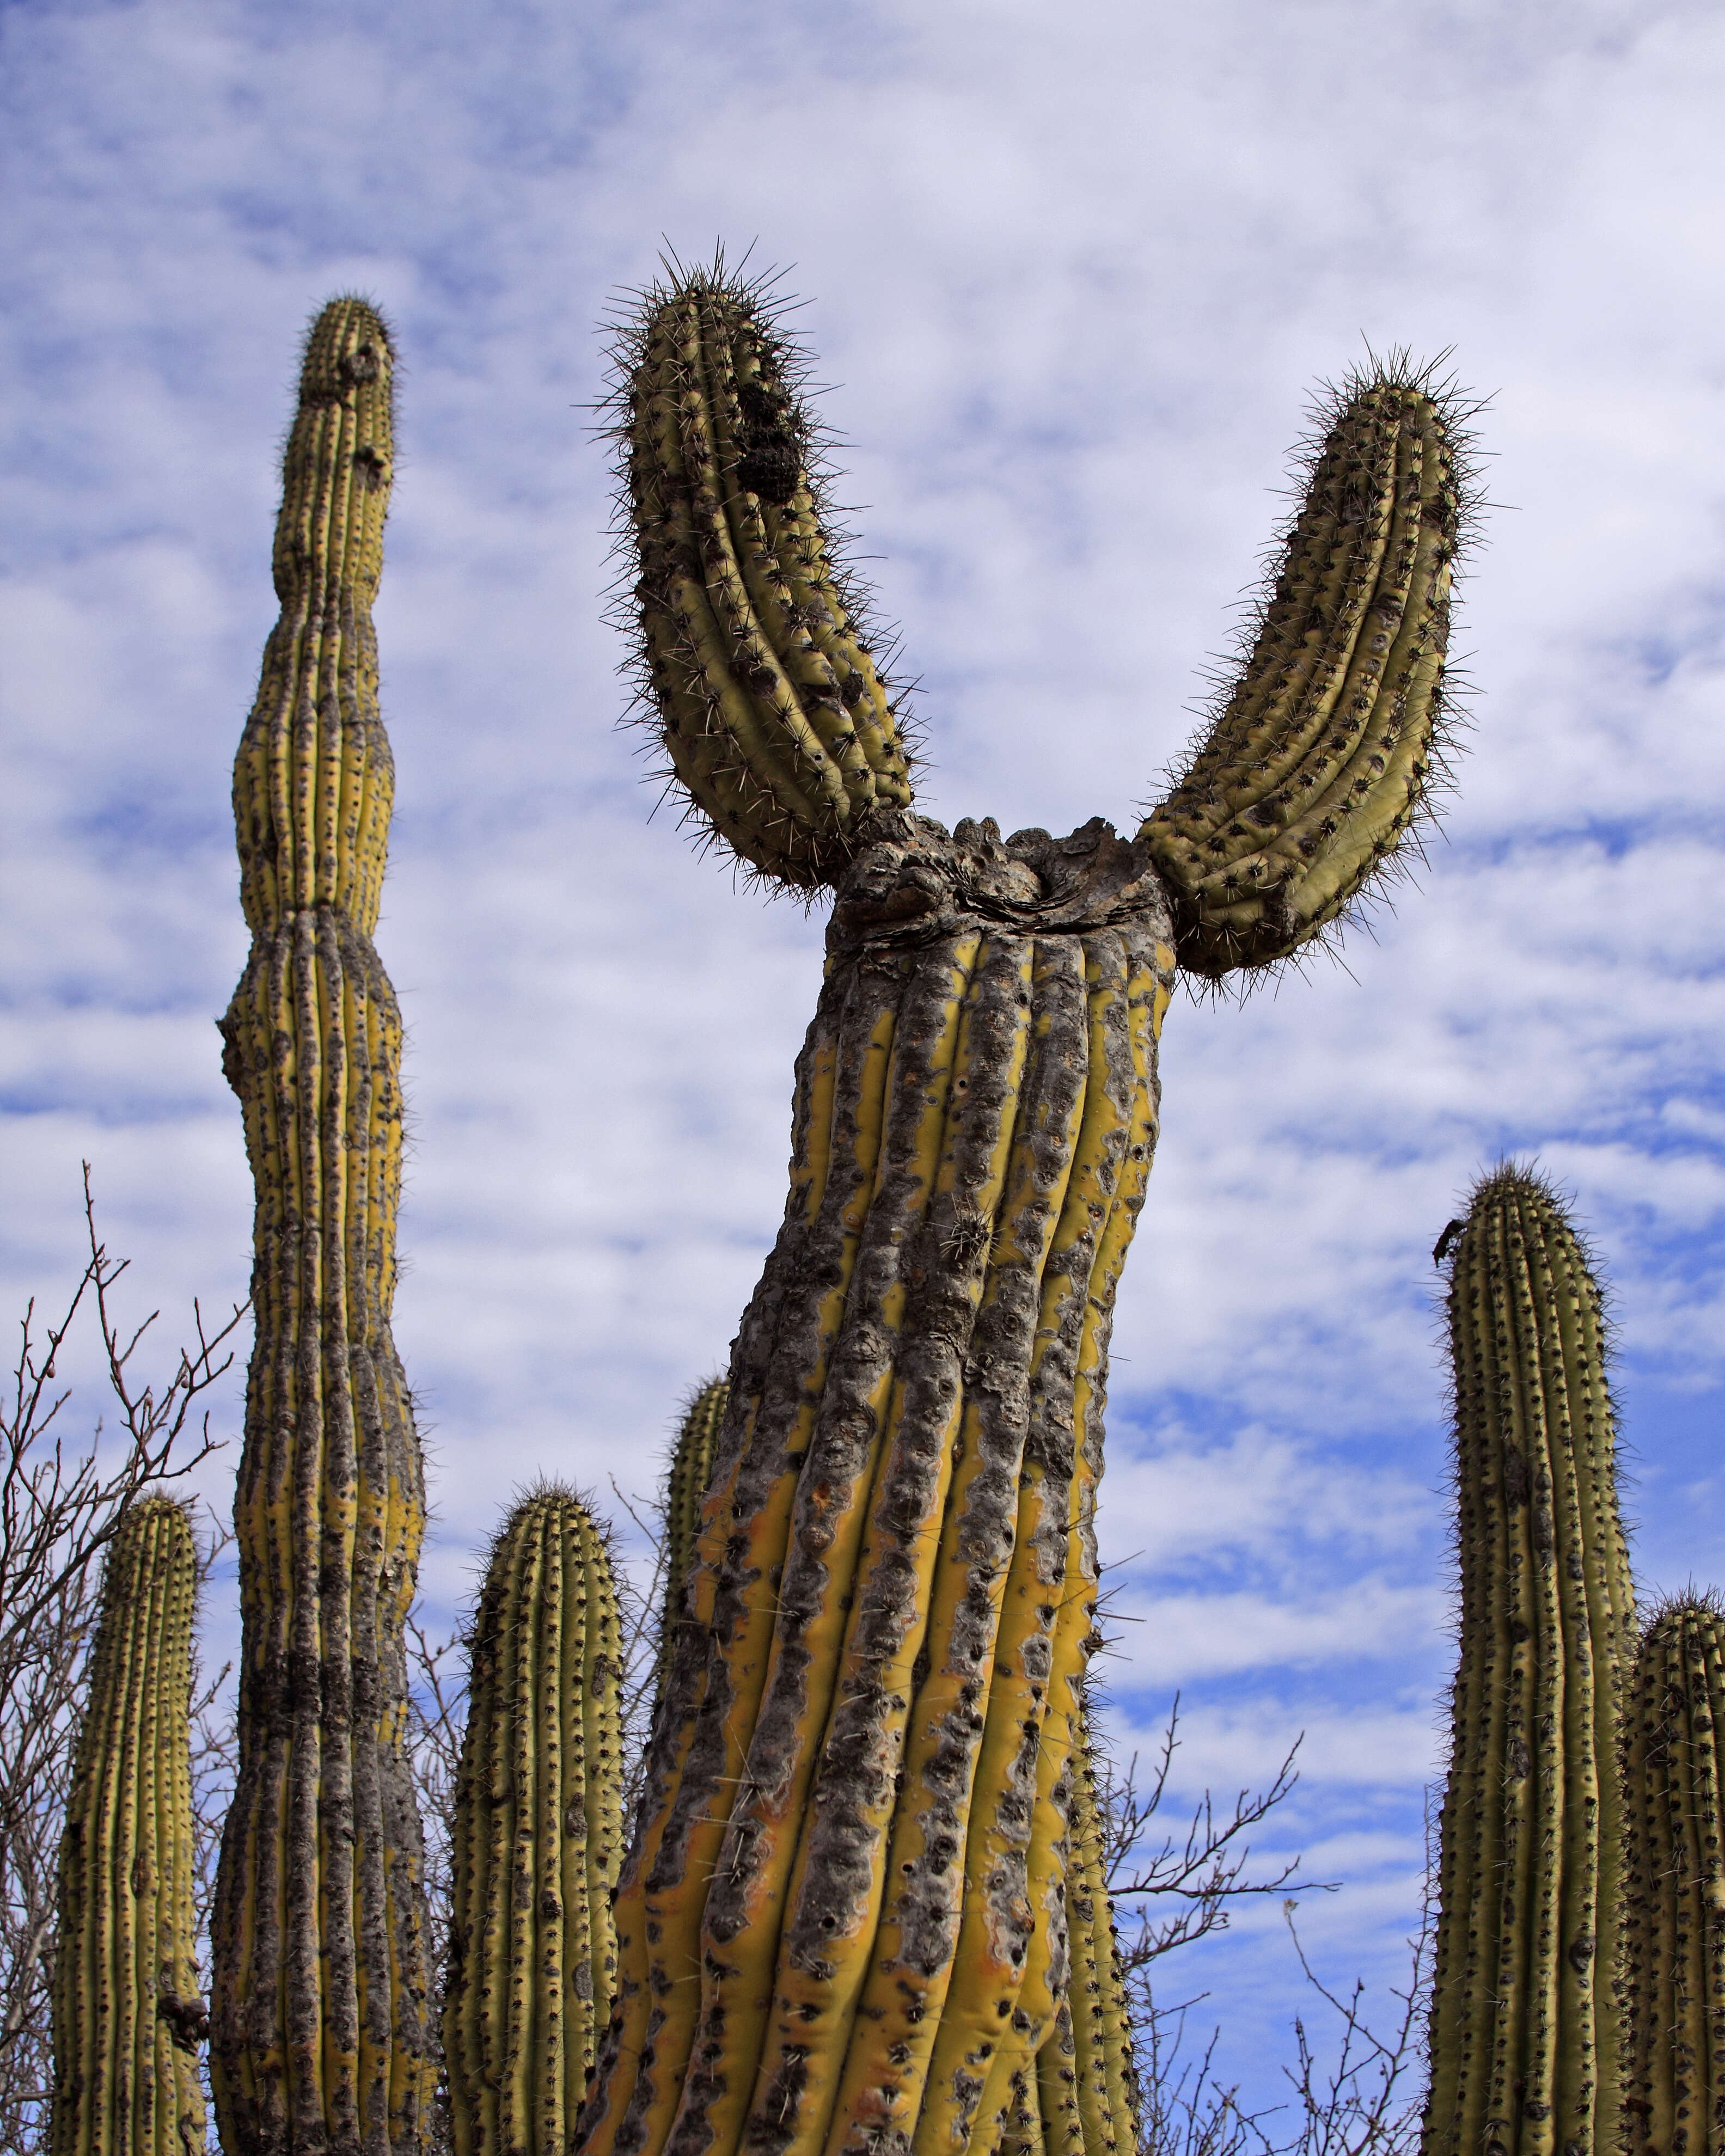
(770, 465)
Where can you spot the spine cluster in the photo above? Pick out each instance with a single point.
(320, 2033)
(1526, 2037)
(691, 1466)
(537, 1835)
(128, 2017)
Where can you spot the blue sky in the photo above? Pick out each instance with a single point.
(1074, 274)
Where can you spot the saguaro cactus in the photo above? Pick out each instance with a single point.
(691, 1464)
(537, 1838)
(127, 2018)
(320, 2030)
(1673, 1964)
(836, 1928)
(1525, 2032)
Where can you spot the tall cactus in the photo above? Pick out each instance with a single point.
(127, 2018)
(1674, 1932)
(538, 1837)
(839, 1908)
(1525, 2031)
(320, 2014)
(691, 1465)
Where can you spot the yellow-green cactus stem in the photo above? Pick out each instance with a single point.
(538, 1837)
(319, 2020)
(1526, 2036)
(841, 1928)
(127, 2016)
(691, 1466)
(1323, 753)
(1673, 1953)
(752, 656)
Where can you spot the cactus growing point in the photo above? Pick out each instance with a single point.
(320, 2035)
(127, 2018)
(1526, 2040)
(840, 1908)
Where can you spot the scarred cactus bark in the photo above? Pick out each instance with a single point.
(841, 1926)
(538, 1837)
(1525, 2031)
(320, 2015)
(127, 2018)
(1674, 1931)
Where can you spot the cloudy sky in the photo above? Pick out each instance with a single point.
(1073, 274)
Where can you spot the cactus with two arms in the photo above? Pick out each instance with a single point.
(843, 1925)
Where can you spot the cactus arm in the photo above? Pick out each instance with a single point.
(820, 1404)
(1321, 754)
(320, 2017)
(772, 710)
(535, 1837)
(1525, 2037)
(128, 2017)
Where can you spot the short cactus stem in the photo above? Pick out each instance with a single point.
(691, 1466)
(537, 1836)
(128, 2020)
(321, 2041)
(1526, 2036)
(1673, 1953)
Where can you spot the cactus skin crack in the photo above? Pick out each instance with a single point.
(845, 1926)
(127, 2018)
(320, 2030)
(1525, 2035)
(537, 1836)
(1673, 1954)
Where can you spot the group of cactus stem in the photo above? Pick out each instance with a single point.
(863, 1907)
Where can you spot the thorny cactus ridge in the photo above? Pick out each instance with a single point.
(319, 2033)
(686, 1477)
(537, 1836)
(128, 2017)
(843, 1923)
(1526, 2039)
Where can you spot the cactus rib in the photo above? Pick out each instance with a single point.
(1525, 2038)
(127, 2018)
(320, 2019)
(537, 1835)
(769, 704)
(1323, 751)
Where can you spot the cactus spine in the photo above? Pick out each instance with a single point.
(319, 2028)
(127, 2018)
(1674, 1932)
(691, 1467)
(538, 1837)
(845, 1897)
(1526, 2044)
